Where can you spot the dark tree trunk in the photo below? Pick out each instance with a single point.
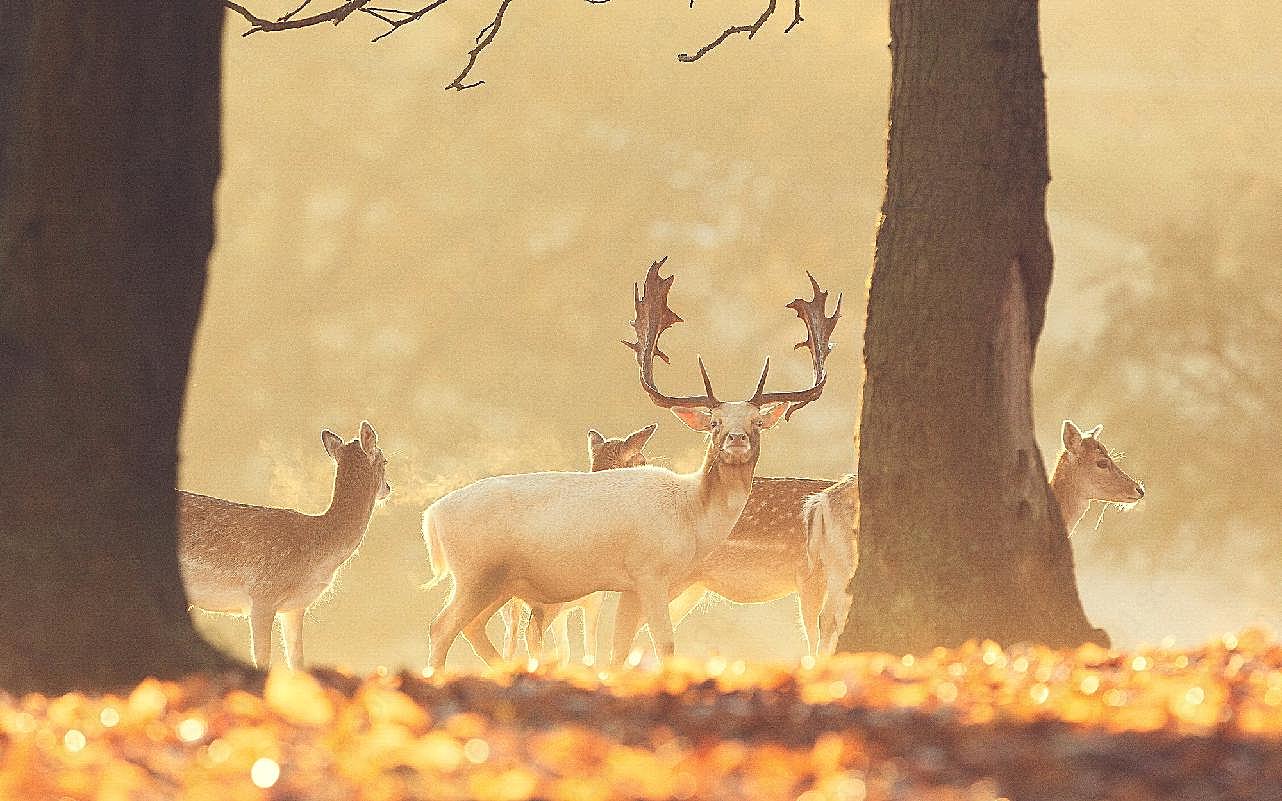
(109, 154)
(960, 537)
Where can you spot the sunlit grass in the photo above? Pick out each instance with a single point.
(969, 723)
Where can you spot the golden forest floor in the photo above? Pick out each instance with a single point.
(972, 723)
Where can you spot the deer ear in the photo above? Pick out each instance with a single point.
(595, 440)
(369, 438)
(332, 443)
(697, 418)
(637, 439)
(771, 414)
(1071, 436)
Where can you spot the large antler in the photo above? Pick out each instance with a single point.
(818, 329)
(653, 318)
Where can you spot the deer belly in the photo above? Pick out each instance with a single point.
(310, 587)
(555, 587)
(214, 592)
(565, 576)
(750, 572)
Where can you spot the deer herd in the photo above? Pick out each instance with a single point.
(554, 542)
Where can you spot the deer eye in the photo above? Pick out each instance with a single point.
(1102, 464)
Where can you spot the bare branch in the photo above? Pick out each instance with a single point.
(396, 18)
(483, 40)
(751, 30)
(290, 21)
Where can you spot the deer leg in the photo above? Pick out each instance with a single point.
(511, 613)
(837, 601)
(549, 614)
(685, 602)
(591, 616)
(261, 618)
(536, 630)
(291, 632)
(810, 598)
(679, 608)
(563, 634)
(468, 598)
(476, 635)
(626, 621)
(653, 595)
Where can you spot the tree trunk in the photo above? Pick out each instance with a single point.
(109, 154)
(959, 534)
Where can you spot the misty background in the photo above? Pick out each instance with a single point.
(457, 269)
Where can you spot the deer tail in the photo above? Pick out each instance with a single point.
(435, 553)
(815, 516)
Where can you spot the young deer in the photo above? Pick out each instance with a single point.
(603, 454)
(265, 562)
(1084, 472)
(551, 538)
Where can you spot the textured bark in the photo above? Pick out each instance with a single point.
(109, 154)
(959, 534)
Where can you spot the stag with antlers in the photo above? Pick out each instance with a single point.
(550, 538)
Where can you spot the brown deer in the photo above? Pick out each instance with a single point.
(266, 562)
(1085, 471)
(603, 454)
(552, 538)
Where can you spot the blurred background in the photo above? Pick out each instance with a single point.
(457, 269)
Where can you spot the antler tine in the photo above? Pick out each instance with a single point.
(818, 330)
(653, 317)
(761, 382)
(707, 383)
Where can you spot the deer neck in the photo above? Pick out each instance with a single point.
(1073, 499)
(350, 507)
(723, 492)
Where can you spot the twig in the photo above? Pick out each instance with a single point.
(283, 18)
(406, 17)
(796, 17)
(483, 40)
(751, 30)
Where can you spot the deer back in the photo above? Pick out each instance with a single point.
(769, 535)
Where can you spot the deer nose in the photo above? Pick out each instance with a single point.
(737, 436)
(1140, 489)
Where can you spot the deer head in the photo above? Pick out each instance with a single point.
(1095, 473)
(607, 454)
(734, 427)
(361, 460)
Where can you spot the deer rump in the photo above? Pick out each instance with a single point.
(556, 537)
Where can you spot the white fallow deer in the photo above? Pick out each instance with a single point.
(764, 558)
(1084, 471)
(264, 562)
(552, 538)
(603, 454)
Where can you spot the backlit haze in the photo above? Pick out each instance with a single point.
(457, 269)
